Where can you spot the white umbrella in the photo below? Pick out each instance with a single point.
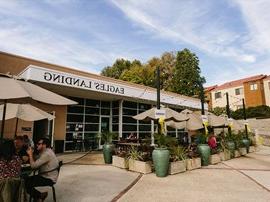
(213, 120)
(12, 89)
(169, 114)
(154, 114)
(193, 123)
(236, 125)
(25, 112)
(17, 90)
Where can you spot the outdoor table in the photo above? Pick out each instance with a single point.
(26, 170)
(126, 145)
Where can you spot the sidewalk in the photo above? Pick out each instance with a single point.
(244, 179)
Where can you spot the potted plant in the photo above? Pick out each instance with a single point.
(108, 147)
(139, 161)
(215, 156)
(120, 160)
(161, 154)
(178, 156)
(223, 152)
(194, 160)
(203, 149)
(229, 144)
(251, 137)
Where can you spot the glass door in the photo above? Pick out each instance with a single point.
(105, 124)
(104, 127)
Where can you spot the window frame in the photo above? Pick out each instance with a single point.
(218, 93)
(253, 86)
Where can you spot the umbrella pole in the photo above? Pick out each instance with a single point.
(16, 127)
(158, 94)
(3, 120)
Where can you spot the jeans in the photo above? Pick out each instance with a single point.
(36, 181)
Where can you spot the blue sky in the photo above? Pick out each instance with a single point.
(230, 37)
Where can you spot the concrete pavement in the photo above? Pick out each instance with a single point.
(241, 179)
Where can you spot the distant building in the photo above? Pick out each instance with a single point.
(255, 90)
(266, 85)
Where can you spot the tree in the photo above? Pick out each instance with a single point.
(167, 65)
(186, 78)
(252, 112)
(117, 69)
(219, 110)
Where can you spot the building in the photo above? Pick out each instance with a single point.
(208, 95)
(266, 87)
(104, 104)
(254, 90)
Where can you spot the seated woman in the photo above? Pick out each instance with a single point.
(212, 141)
(10, 163)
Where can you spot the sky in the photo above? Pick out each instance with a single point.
(230, 37)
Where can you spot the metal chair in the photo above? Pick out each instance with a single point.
(52, 185)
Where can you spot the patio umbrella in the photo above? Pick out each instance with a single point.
(14, 89)
(169, 114)
(193, 123)
(213, 120)
(24, 112)
(236, 125)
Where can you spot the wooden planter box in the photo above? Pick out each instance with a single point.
(214, 159)
(252, 149)
(120, 162)
(177, 167)
(193, 163)
(243, 151)
(237, 154)
(140, 166)
(224, 156)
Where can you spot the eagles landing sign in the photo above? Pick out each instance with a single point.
(103, 85)
(82, 83)
(71, 80)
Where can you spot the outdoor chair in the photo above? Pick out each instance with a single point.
(52, 185)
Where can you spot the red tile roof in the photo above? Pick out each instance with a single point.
(240, 82)
(209, 88)
(267, 78)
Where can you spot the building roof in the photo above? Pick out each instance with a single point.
(267, 78)
(239, 82)
(209, 88)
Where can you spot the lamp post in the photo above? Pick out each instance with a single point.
(202, 98)
(228, 112)
(158, 87)
(245, 117)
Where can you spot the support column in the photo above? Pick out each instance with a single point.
(120, 126)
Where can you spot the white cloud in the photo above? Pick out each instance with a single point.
(43, 35)
(257, 17)
(188, 22)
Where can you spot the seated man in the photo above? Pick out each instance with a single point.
(47, 164)
(21, 149)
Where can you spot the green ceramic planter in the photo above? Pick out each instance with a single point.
(205, 152)
(231, 147)
(107, 153)
(161, 158)
(246, 143)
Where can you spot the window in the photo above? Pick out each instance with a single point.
(238, 91)
(253, 86)
(217, 95)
